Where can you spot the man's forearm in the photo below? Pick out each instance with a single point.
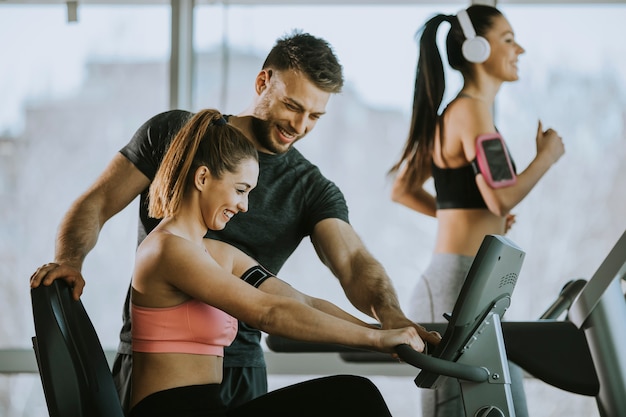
(370, 289)
(77, 234)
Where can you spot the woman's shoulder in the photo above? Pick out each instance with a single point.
(221, 250)
(161, 245)
(466, 117)
(467, 108)
(228, 256)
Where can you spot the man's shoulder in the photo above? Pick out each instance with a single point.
(149, 142)
(170, 117)
(296, 159)
(161, 128)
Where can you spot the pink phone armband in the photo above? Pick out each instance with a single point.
(493, 161)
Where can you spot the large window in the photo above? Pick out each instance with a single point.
(74, 93)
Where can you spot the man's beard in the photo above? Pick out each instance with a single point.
(261, 129)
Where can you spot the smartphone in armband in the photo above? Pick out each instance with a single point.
(493, 161)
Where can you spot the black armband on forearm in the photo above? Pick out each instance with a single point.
(256, 275)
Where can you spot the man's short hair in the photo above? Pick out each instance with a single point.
(309, 55)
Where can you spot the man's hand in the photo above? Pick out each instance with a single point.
(432, 337)
(47, 273)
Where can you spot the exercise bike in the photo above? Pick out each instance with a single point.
(585, 354)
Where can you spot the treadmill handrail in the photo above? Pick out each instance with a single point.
(564, 301)
(613, 267)
(441, 366)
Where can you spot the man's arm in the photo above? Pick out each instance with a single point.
(113, 190)
(363, 278)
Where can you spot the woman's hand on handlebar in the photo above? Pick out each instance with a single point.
(432, 337)
(401, 321)
(389, 339)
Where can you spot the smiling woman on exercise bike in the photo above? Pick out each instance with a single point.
(188, 291)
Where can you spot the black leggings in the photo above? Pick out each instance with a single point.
(334, 396)
(188, 401)
(340, 396)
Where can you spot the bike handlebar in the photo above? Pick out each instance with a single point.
(441, 366)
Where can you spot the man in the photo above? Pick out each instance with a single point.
(292, 200)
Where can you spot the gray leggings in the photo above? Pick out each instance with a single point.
(435, 294)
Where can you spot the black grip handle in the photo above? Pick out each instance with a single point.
(441, 366)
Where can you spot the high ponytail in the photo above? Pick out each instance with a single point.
(205, 140)
(427, 97)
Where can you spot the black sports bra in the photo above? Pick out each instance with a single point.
(457, 188)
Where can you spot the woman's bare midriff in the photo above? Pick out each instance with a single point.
(461, 231)
(174, 370)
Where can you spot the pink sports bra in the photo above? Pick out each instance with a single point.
(191, 327)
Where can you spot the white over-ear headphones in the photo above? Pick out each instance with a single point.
(475, 49)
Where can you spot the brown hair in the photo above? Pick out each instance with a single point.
(430, 86)
(310, 56)
(205, 140)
